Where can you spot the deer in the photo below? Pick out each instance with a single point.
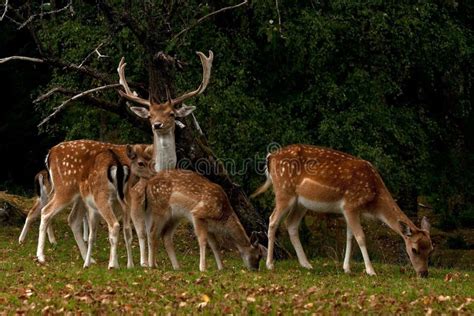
(141, 169)
(163, 116)
(169, 196)
(68, 164)
(43, 189)
(319, 179)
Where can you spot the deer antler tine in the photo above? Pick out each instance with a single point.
(128, 94)
(206, 75)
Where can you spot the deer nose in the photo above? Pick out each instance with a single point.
(157, 125)
(423, 274)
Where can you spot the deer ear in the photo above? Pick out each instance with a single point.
(149, 150)
(140, 111)
(406, 230)
(130, 152)
(254, 239)
(185, 110)
(425, 224)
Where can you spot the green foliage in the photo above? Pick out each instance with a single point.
(390, 82)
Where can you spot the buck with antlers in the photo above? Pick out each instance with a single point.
(324, 180)
(70, 164)
(162, 116)
(43, 189)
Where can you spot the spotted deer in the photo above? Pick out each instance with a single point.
(43, 189)
(162, 116)
(319, 179)
(173, 195)
(69, 164)
(142, 169)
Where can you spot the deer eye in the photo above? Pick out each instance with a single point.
(172, 114)
(414, 250)
(141, 164)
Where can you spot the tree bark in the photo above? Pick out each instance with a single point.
(10, 214)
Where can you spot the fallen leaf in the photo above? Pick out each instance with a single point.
(205, 298)
(442, 298)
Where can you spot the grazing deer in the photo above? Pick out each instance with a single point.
(162, 116)
(43, 189)
(69, 164)
(319, 179)
(173, 195)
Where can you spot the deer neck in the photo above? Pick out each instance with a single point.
(164, 151)
(236, 231)
(392, 215)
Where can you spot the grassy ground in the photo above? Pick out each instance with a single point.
(61, 285)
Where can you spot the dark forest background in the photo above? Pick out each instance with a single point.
(387, 81)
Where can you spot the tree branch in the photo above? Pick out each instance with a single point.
(46, 95)
(200, 20)
(31, 17)
(5, 9)
(32, 59)
(279, 16)
(77, 96)
(95, 51)
(66, 66)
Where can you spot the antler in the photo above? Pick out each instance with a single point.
(128, 94)
(206, 75)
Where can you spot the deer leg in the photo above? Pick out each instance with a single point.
(211, 239)
(85, 228)
(347, 255)
(137, 214)
(167, 234)
(154, 228)
(51, 237)
(114, 230)
(33, 214)
(293, 223)
(75, 221)
(93, 220)
(353, 222)
(281, 209)
(201, 233)
(127, 234)
(54, 206)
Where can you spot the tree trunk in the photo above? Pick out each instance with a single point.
(11, 214)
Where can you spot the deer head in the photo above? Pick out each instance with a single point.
(141, 163)
(253, 254)
(418, 245)
(162, 116)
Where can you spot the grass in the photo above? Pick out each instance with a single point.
(62, 285)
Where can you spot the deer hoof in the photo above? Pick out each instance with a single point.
(307, 266)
